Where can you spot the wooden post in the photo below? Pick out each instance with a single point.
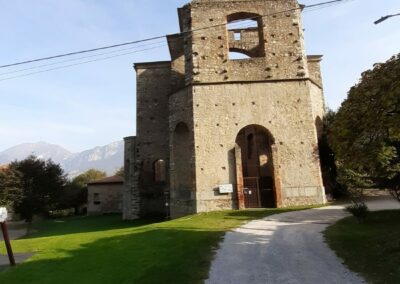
(8, 243)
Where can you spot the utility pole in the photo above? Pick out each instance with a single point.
(3, 224)
(385, 18)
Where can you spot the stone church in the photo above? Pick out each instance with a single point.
(219, 131)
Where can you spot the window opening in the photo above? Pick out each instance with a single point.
(234, 55)
(245, 34)
(242, 24)
(96, 198)
(160, 171)
(237, 36)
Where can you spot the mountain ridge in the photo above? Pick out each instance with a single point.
(108, 158)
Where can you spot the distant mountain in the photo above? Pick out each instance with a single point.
(42, 150)
(108, 158)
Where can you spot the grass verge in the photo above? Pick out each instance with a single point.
(372, 248)
(106, 249)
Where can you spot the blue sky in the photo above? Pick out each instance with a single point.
(94, 104)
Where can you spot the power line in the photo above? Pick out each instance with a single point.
(243, 24)
(82, 51)
(327, 3)
(77, 59)
(312, 8)
(301, 7)
(80, 63)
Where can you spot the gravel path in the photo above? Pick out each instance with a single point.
(285, 248)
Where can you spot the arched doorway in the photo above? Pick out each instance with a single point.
(255, 168)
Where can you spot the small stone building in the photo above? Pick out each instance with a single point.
(105, 196)
(216, 131)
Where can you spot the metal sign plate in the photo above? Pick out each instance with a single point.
(3, 214)
(225, 188)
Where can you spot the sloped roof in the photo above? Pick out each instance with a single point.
(107, 180)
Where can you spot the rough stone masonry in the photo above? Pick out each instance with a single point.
(233, 120)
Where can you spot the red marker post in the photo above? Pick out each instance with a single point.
(3, 219)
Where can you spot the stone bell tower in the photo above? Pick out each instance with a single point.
(241, 130)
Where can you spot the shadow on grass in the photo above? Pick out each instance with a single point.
(83, 224)
(158, 255)
(371, 248)
(179, 251)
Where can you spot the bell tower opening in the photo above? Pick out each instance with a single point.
(245, 35)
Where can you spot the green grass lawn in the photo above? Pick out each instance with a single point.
(372, 248)
(106, 249)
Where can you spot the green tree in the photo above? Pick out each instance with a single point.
(89, 176)
(327, 157)
(120, 172)
(40, 185)
(366, 130)
(75, 193)
(10, 187)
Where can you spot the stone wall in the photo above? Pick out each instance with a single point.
(284, 109)
(131, 195)
(246, 41)
(176, 46)
(281, 37)
(183, 186)
(153, 89)
(108, 200)
(314, 69)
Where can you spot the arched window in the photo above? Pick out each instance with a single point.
(160, 171)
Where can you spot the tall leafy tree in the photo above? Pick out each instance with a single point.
(366, 130)
(327, 157)
(10, 187)
(40, 185)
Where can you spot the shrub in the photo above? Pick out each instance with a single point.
(61, 213)
(359, 210)
(395, 192)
